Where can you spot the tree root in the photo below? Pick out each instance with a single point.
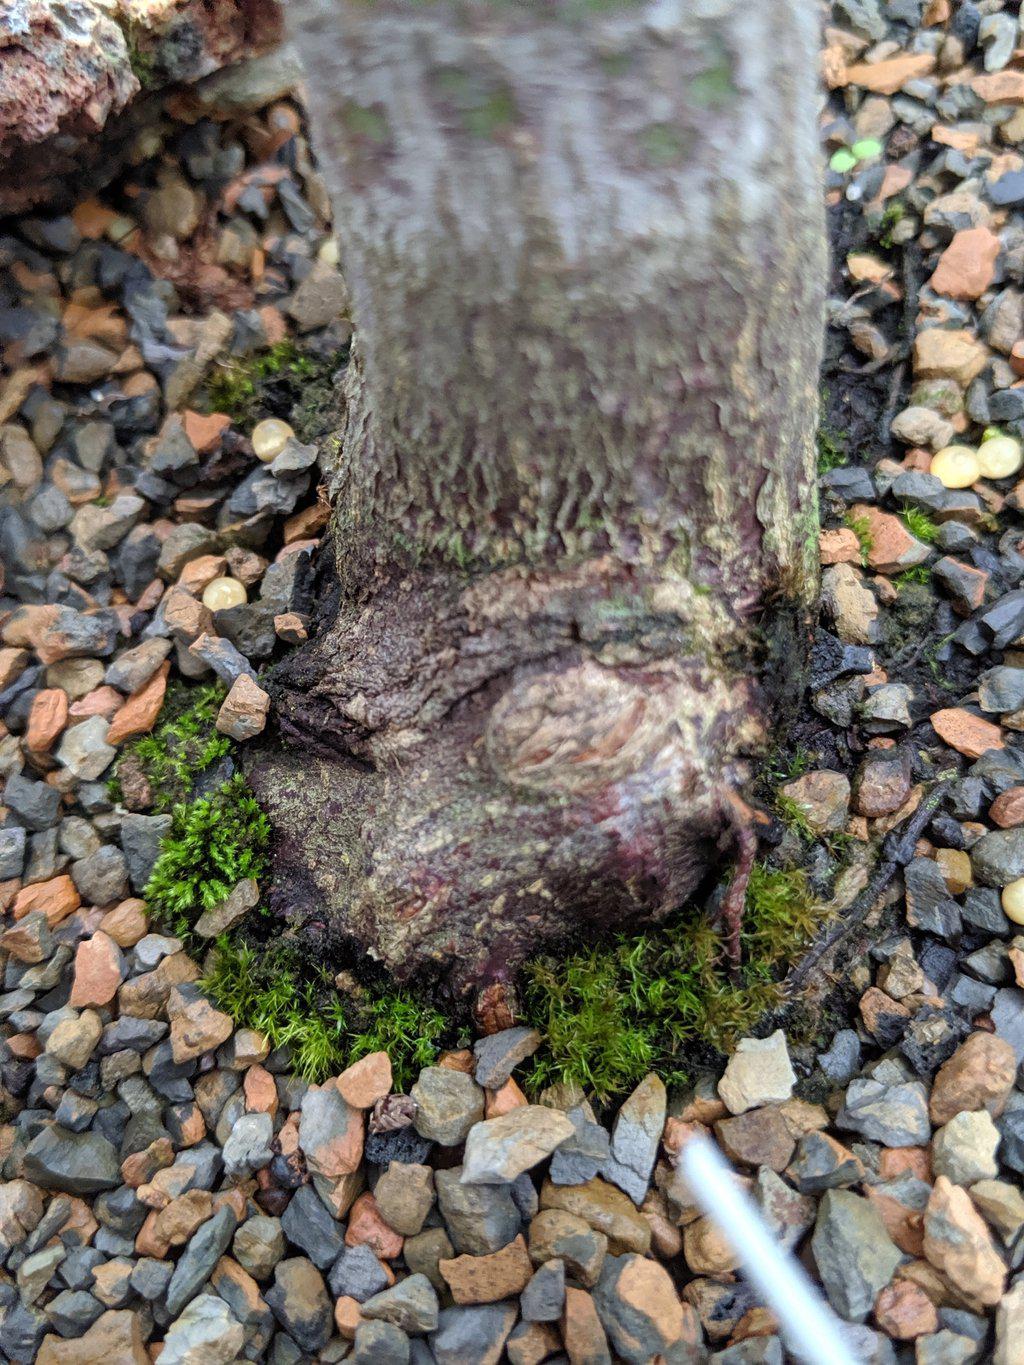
(741, 820)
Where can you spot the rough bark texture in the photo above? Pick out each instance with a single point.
(574, 514)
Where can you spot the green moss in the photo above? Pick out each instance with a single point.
(793, 815)
(861, 528)
(236, 386)
(182, 747)
(483, 105)
(894, 212)
(364, 121)
(920, 573)
(271, 988)
(783, 766)
(406, 1029)
(831, 447)
(920, 525)
(714, 87)
(611, 1013)
(213, 844)
(262, 988)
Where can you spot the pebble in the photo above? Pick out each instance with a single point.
(854, 1255)
(222, 593)
(958, 1244)
(956, 466)
(759, 1072)
(448, 1104)
(270, 437)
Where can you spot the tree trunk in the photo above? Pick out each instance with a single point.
(574, 518)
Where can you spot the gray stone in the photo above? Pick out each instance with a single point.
(137, 665)
(102, 877)
(411, 1304)
(220, 918)
(204, 1334)
(964, 1150)
(295, 458)
(73, 1312)
(894, 1115)
(35, 804)
(405, 1196)
(998, 857)
(1001, 689)
(842, 1060)
(357, 1274)
(479, 1218)
(448, 1103)
(476, 1334)
(151, 1277)
(141, 836)
(320, 298)
(498, 1055)
(788, 1213)
(503, 1148)
(299, 1301)
(543, 1299)
(79, 1163)
(12, 852)
(424, 1251)
(759, 1072)
(84, 750)
(580, 1157)
(380, 1343)
(753, 1351)
(854, 1254)
(1008, 1018)
(930, 907)
(203, 1251)
(308, 1223)
(945, 1348)
(247, 1150)
(36, 1271)
(21, 1332)
(636, 1135)
(259, 1245)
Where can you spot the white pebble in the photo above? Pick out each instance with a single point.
(223, 593)
(1000, 456)
(956, 466)
(270, 437)
(328, 251)
(1013, 901)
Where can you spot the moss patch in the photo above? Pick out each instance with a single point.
(273, 988)
(612, 1013)
(920, 525)
(861, 528)
(279, 381)
(181, 748)
(214, 843)
(831, 447)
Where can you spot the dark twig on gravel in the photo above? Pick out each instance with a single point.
(897, 850)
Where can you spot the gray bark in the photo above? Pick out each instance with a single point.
(574, 498)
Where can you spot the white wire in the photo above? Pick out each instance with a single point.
(810, 1328)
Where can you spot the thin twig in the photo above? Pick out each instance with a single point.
(897, 850)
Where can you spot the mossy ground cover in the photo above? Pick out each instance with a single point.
(281, 380)
(609, 1013)
(183, 747)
